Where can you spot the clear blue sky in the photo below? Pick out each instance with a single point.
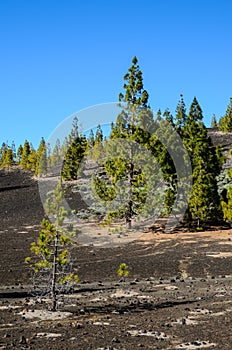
(60, 56)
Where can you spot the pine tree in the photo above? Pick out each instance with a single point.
(32, 159)
(25, 155)
(52, 250)
(56, 154)
(8, 160)
(193, 129)
(227, 206)
(227, 200)
(19, 153)
(168, 117)
(41, 164)
(49, 156)
(225, 122)
(98, 135)
(204, 201)
(214, 123)
(13, 147)
(90, 141)
(3, 152)
(97, 151)
(129, 121)
(74, 131)
(75, 151)
(180, 118)
(131, 125)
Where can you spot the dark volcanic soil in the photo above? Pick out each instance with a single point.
(177, 295)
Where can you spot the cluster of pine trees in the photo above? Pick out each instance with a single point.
(25, 156)
(137, 124)
(43, 160)
(132, 124)
(225, 122)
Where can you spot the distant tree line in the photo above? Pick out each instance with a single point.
(225, 122)
(44, 159)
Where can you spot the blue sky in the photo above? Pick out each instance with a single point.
(59, 57)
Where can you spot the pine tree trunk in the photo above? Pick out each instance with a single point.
(130, 202)
(128, 222)
(188, 217)
(54, 274)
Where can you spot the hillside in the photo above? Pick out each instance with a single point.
(221, 139)
(21, 212)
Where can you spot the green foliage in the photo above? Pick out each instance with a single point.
(7, 160)
(56, 154)
(227, 206)
(225, 122)
(180, 118)
(101, 189)
(43, 248)
(133, 86)
(42, 162)
(25, 154)
(227, 201)
(204, 201)
(220, 158)
(98, 135)
(214, 123)
(52, 249)
(32, 159)
(126, 178)
(19, 153)
(91, 140)
(123, 270)
(71, 278)
(169, 200)
(97, 145)
(122, 176)
(75, 151)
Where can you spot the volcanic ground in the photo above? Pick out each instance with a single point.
(177, 295)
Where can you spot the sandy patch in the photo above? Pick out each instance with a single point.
(200, 312)
(219, 254)
(140, 333)
(95, 300)
(185, 321)
(8, 307)
(169, 287)
(44, 314)
(49, 335)
(123, 294)
(101, 323)
(198, 344)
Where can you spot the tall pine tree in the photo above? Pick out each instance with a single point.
(225, 122)
(75, 150)
(132, 125)
(204, 200)
(25, 155)
(180, 118)
(214, 123)
(41, 164)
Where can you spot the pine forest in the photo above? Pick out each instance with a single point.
(139, 176)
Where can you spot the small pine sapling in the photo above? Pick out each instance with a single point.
(123, 271)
